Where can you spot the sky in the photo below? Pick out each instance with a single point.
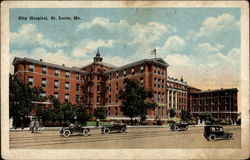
(200, 44)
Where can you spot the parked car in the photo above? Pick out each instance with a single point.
(74, 129)
(212, 133)
(179, 127)
(118, 127)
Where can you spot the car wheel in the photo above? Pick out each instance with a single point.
(123, 130)
(175, 128)
(212, 137)
(106, 131)
(85, 132)
(230, 136)
(66, 133)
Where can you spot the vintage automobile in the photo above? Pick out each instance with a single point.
(74, 129)
(118, 127)
(179, 127)
(212, 133)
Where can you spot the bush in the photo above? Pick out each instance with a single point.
(48, 124)
(192, 122)
(57, 124)
(154, 123)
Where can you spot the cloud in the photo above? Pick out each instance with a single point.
(130, 34)
(221, 23)
(217, 70)
(58, 57)
(174, 44)
(28, 34)
(87, 46)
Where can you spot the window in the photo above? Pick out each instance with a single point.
(162, 84)
(56, 95)
(159, 83)
(110, 76)
(98, 99)
(66, 97)
(66, 85)
(124, 73)
(117, 86)
(77, 87)
(142, 68)
(43, 94)
(57, 72)
(98, 87)
(226, 101)
(110, 87)
(142, 81)
(31, 67)
(44, 81)
(117, 75)
(109, 98)
(56, 84)
(133, 71)
(77, 76)
(116, 98)
(162, 97)
(31, 80)
(45, 69)
(155, 82)
(77, 98)
(116, 111)
(67, 74)
(155, 96)
(159, 97)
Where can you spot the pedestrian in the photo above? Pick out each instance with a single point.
(36, 125)
(32, 126)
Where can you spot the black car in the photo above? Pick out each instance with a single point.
(118, 127)
(179, 127)
(74, 129)
(212, 133)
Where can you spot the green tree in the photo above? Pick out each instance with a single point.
(100, 113)
(172, 113)
(82, 114)
(20, 100)
(185, 115)
(134, 100)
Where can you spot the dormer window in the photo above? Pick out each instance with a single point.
(67, 74)
(77, 76)
(117, 75)
(142, 68)
(57, 72)
(133, 71)
(124, 73)
(45, 69)
(31, 67)
(110, 76)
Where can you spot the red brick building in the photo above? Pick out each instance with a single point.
(98, 83)
(221, 104)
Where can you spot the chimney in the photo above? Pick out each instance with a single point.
(221, 88)
(63, 65)
(41, 60)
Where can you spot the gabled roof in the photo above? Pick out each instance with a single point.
(219, 90)
(40, 62)
(158, 61)
(101, 64)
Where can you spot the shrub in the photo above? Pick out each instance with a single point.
(57, 124)
(48, 124)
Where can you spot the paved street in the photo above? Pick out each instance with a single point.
(136, 138)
